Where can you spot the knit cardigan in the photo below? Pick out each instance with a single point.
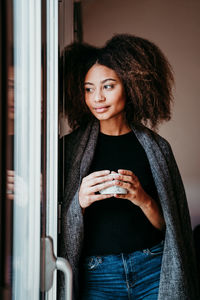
(178, 279)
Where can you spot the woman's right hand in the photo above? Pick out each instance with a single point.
(92, 184)
(10, 184)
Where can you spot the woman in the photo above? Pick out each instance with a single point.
(136, 245)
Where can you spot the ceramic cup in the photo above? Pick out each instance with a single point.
(115, 189)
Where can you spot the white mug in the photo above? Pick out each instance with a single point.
(115, 189)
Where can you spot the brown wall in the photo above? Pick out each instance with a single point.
(174, 25)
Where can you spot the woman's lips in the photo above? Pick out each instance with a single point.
(101, 109)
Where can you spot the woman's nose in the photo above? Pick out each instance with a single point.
(99, 96)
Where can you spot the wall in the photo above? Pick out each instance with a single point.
(174, 26)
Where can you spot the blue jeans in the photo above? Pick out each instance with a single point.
(124, 276)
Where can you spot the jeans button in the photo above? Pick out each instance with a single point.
(100, 260)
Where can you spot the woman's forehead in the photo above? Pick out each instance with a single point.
(100, 73)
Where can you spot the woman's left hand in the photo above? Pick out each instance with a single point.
(135, 192)
(137, 195)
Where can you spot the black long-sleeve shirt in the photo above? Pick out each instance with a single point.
(116, 225)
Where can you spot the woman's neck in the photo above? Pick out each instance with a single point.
(114, 127)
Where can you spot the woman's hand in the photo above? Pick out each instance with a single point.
(18, 186)
(10, 184)
(92, 184)
(135, 192)
(137, 195)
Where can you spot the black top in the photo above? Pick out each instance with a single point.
(115, 225)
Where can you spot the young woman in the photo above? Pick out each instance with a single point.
(135, 243)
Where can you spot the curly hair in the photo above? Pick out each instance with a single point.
(143, 69)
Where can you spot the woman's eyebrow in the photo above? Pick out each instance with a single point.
(103, 81)
(108, 79)
(89, 83)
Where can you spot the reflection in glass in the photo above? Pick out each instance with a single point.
(27, 156)
(9, 176)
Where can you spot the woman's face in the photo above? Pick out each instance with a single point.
(104, 93)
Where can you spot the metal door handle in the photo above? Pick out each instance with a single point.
(63, 265)
(49, 263)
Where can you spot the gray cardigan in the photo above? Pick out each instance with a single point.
(178, 279)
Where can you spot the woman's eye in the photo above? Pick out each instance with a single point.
(88, 90)
(108, 86)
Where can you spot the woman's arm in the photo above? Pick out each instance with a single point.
(139, 197)
(152, 211)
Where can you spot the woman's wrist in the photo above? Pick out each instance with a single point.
(146, 202)
(152, 211)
